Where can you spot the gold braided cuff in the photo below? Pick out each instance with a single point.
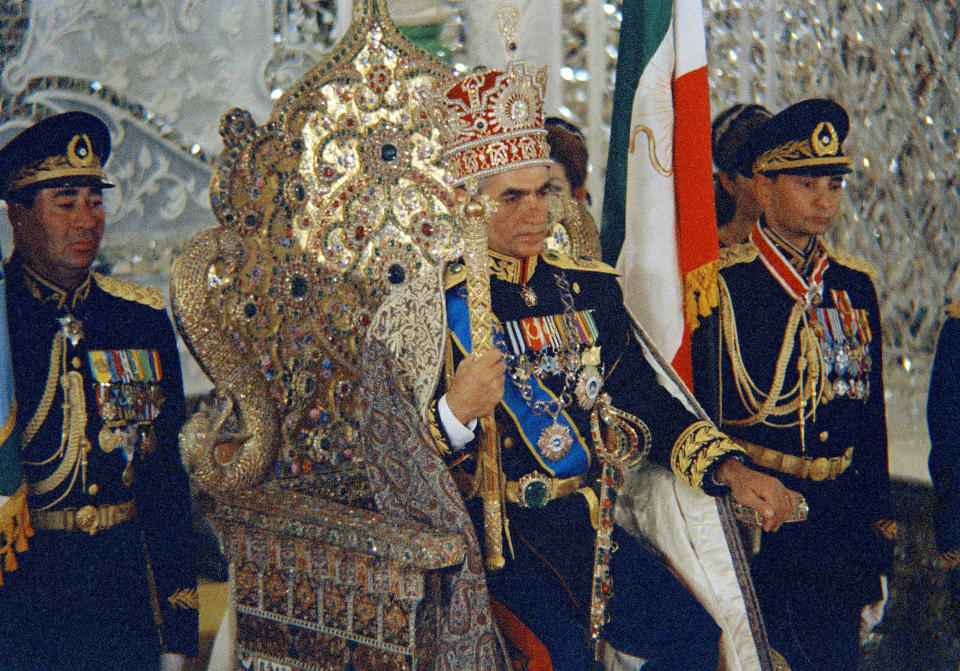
(949, 559)
(187, 599)
(696, 449)
(886, 528)
(433, 425)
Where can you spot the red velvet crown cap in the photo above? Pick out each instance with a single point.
(494, 121)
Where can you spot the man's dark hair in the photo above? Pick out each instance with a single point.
(26, 196)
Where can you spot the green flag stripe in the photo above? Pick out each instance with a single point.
(642, 30)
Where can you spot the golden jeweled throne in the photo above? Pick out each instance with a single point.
(336, 203)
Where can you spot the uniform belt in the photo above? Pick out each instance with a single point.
(535, 489)
(89, 519)
(820, 468)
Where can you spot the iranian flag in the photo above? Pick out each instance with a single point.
(658, 226)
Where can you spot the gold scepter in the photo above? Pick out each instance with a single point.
(490, 482)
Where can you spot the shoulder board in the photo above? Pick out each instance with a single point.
(577, 263)
(454, 274)
(953, 309)
(745, 252)
(854, 262)
(130, 291)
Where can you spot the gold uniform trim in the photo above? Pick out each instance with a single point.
(854, 262)
(433, 425)
(185, 598)
(886, 528)
(510, 269)
(78, 161)
(821, 148)
(696, 449)
(953, 309)
(745, 252)
(453, 275)
(129, 291)
(565, 262)
(949, 559)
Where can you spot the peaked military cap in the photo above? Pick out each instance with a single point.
(804, 139)
(65, 149)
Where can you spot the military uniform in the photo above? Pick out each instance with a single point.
(564, 331)
(812, 577)
(943, 412)
(100, 401)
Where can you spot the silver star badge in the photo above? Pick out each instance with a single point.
(72, 328)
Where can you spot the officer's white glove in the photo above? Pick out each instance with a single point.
(872, 613)
(172, 661)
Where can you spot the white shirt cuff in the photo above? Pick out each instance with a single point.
(458, 434)
(3, 500)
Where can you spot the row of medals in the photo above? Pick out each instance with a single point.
(580, 368)
(118, 433)
(849, 360)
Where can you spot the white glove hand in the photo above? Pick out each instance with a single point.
(172, 661)
(872, 613)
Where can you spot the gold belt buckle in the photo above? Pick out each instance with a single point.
(534, 489)
(88, 519)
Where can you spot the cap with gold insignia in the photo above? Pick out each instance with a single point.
(804, 139)
(63, 150)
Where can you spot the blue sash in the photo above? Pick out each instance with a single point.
(529, 425)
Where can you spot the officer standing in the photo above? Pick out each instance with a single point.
(100, 399)
(943, 413)
(802, 390)
(563, 340)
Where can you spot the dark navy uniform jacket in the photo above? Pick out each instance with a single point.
(651, 613)
(943, 419)
(628, 378)
(837, 555)
(80, 600)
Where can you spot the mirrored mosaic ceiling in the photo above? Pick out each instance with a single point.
(895, 66)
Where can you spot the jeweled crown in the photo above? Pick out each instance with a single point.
(491, 121)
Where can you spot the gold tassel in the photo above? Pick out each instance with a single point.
(15, 529)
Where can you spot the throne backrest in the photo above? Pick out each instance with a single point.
(338, 199)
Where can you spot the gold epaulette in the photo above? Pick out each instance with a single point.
(454, 274)
(745, 252)
(130, 291)
(577, 263)
(854, 262)
(953, 309)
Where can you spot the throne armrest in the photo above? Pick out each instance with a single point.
(320, 520)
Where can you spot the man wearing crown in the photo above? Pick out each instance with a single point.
(108, 580)
(801, 391)
(564, 348)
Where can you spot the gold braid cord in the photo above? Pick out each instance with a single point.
(15, 529)
(803, 398)
(696, 449)
(489, 471)
(74, 446)
(49, 389)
